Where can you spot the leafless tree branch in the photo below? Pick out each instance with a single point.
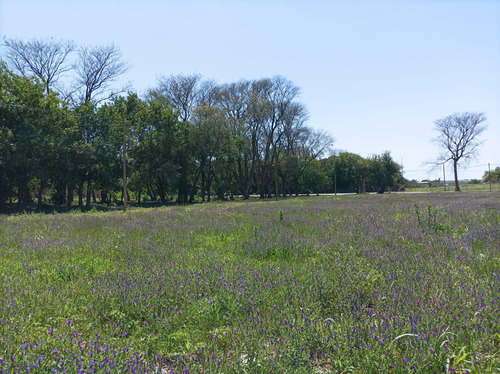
(43, 58)
(458, 138)
(97, 68)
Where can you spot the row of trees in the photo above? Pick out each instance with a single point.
(184, 138)
(348, 172)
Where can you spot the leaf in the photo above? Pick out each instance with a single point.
(400, 336)
(461, 358)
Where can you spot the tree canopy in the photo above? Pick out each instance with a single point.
(185, 139)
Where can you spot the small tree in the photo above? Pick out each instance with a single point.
(492, 176)
(459, 138)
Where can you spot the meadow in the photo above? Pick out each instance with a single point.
(392, 283)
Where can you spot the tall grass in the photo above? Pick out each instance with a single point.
(377, 283)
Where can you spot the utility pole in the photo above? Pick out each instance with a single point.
(402, 172)
(489, 174)
(335, 179)
(124, 167)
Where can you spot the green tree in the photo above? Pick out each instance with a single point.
(384, 173)
(351, 172)
(84, 158)
(234, 100)
(211, 148)
(35, 145)
(57, 129)
(154, 135)
(492, 176)
(314, 178)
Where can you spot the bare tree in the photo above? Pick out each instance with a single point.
(267, 125)
(182, 92)
(96, 69)
(234, 100)
(459, 138)
(313, 144)
(208, 93)
(43, 58)
(274, 107)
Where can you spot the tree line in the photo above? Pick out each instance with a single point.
(184, 139)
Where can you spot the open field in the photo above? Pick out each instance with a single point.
(465, 187)
(370, 283)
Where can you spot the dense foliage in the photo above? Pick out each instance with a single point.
(492, 176)
(368, 283)
(185, 139)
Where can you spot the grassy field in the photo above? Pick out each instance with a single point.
(392, 283)
(466, 187)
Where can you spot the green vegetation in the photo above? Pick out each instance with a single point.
(437, 186)
(492, 176)
(389, 283)
(184, 140)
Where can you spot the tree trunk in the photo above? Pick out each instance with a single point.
(2, 201)
(89, 191)
(43, 183)
(162, 192)
(4, 191)
(60, 195)
(192, 192)
(80, 195)
(23, 192)
(455, 171)
(221, 193)
(70, 194)
(263, 195)
(183, 185)
(209, 187)
(151, 193)
(203, 186)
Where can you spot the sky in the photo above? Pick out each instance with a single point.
(374, 74)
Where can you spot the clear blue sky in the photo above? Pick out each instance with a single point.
(374, 74)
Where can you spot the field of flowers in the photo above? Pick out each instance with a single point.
(377, 283)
